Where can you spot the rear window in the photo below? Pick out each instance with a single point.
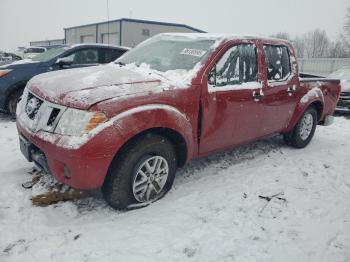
(278, 62)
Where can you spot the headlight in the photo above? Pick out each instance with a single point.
(4, 72)
(76, 122)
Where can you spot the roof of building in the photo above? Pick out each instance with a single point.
(140, 21)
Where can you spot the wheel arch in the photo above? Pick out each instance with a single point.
(12, 90)
(319, 108)
(301, 108)
(161, 119)
(177, 140)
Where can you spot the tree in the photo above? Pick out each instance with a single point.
(339, 49)
(346, 35)
(347, 23)
(299, 45)
(316, 44)
(282, 35)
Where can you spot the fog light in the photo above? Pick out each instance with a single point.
(67, 173)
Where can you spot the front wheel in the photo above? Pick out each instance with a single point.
(301, 135)
(141, 174)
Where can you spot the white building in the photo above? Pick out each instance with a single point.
(125, 32)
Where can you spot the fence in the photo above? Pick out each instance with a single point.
(322, 66)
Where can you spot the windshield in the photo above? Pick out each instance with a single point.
(48, 55)
(164, 53)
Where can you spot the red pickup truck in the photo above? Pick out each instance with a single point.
(127, 126)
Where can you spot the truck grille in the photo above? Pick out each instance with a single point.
(37, 114)
(32, 106)
(53, 116)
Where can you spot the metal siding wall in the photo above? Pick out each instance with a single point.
(322, 66)
(132, 32)
(73, 35)
(47, 42)
(113, 29)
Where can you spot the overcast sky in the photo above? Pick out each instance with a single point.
(27, 20)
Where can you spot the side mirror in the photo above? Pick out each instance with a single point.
(64, 61)
(212, 77)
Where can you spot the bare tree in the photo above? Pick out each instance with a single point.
(346, 36)
(282, 35)
(347, 23)
(316, 44)
(299, 45)
(339, 49)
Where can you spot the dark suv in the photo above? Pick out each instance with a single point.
(14, 77)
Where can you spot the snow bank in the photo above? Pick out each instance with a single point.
(213, 213)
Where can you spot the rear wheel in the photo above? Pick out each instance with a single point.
(301, 135)
(13, 101)
(143, 173)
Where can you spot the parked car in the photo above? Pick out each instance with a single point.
(15, 76)
(7, 58)
(32, 51)
(126, 127)
(344, 101)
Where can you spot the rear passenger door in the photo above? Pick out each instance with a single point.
(281, 88)
(231, 108)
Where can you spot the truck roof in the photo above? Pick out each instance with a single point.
(223, 37)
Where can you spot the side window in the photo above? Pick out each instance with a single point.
(109, 55)
(238, 65)
(83, 57)
(278, 62)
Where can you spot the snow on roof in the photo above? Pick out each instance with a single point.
(99, 44)
(222, 37)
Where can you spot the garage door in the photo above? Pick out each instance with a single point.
(113, 38)
(87, 39)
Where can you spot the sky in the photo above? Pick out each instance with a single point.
(23, 21)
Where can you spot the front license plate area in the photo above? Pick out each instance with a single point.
(26, 148)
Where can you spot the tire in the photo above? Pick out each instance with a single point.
(13, 101)
(301, 135)
(128, 169)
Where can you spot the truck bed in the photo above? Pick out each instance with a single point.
(310, 78)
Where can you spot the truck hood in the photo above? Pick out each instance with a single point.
(83, 87)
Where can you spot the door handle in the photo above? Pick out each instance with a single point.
(257, 95)
(291, 90)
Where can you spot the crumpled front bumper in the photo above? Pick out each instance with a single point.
(84, 167)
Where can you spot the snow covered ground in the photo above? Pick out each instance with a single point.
(213, 213)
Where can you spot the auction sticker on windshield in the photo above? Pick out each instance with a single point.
(193, 52)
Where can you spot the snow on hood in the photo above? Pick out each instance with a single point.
(83, 87)
(24, 61)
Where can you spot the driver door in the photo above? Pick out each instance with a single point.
(231, 107)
